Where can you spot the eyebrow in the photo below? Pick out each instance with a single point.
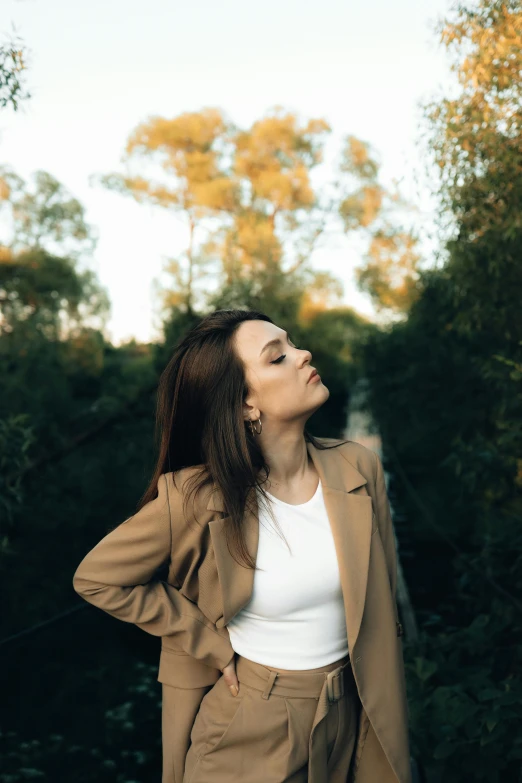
(275, 341)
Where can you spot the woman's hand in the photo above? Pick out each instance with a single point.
(229, 673)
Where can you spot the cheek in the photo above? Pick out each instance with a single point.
(282, 393)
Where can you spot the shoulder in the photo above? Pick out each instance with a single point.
(176, 480)
(360, 457)
(179, 484)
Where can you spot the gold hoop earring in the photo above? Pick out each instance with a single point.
(255, 431)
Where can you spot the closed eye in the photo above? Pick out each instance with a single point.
(280, 359)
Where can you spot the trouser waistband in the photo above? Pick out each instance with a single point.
(296, 683)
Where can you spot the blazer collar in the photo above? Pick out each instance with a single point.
(351, 521)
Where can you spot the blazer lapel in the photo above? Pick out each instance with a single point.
(351, 521)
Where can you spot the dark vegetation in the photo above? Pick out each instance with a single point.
(80, 700)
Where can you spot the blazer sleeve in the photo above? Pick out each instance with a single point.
(117, 575)
(385, 524)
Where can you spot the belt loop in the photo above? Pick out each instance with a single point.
(269, 684)
(335, 684)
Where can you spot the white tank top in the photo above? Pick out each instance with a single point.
(295, 618)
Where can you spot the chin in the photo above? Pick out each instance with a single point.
(325, 391)
(320, 384)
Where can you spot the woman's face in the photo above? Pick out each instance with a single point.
(277, 374)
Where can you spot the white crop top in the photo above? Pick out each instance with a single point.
(295, 618)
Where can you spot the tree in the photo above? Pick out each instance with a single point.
(45, 216)
(12, 67)
(191, 152)
(40, 283)
(275, 220)
(250, 205)
(445, 389)
(476, 142)
(474, 137)
(389, 268)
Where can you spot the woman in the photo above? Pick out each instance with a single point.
(281, 654)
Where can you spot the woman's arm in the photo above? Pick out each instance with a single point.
(117, 576)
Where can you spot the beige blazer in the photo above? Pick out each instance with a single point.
(206, 588)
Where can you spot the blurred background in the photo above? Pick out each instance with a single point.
(354, 170)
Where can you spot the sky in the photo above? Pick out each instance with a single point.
(98, 69)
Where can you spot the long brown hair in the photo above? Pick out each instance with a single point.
(199, 420)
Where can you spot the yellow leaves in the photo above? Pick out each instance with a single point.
(6, 255)
(322, 293)
(247, 194)
(188, 132)
(255, 239)
(356, 159)
(286, 190)
(219, 194)
(5, 190)
(276, 156)
(489, 42)
(358, 152)
(141, 189)
(475, 136)
(390, 272)
(190, 149)
(361, 208)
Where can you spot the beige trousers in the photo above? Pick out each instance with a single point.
(284, 726)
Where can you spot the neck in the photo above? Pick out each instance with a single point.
(288, 460)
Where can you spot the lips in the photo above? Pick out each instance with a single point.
(314, 372)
